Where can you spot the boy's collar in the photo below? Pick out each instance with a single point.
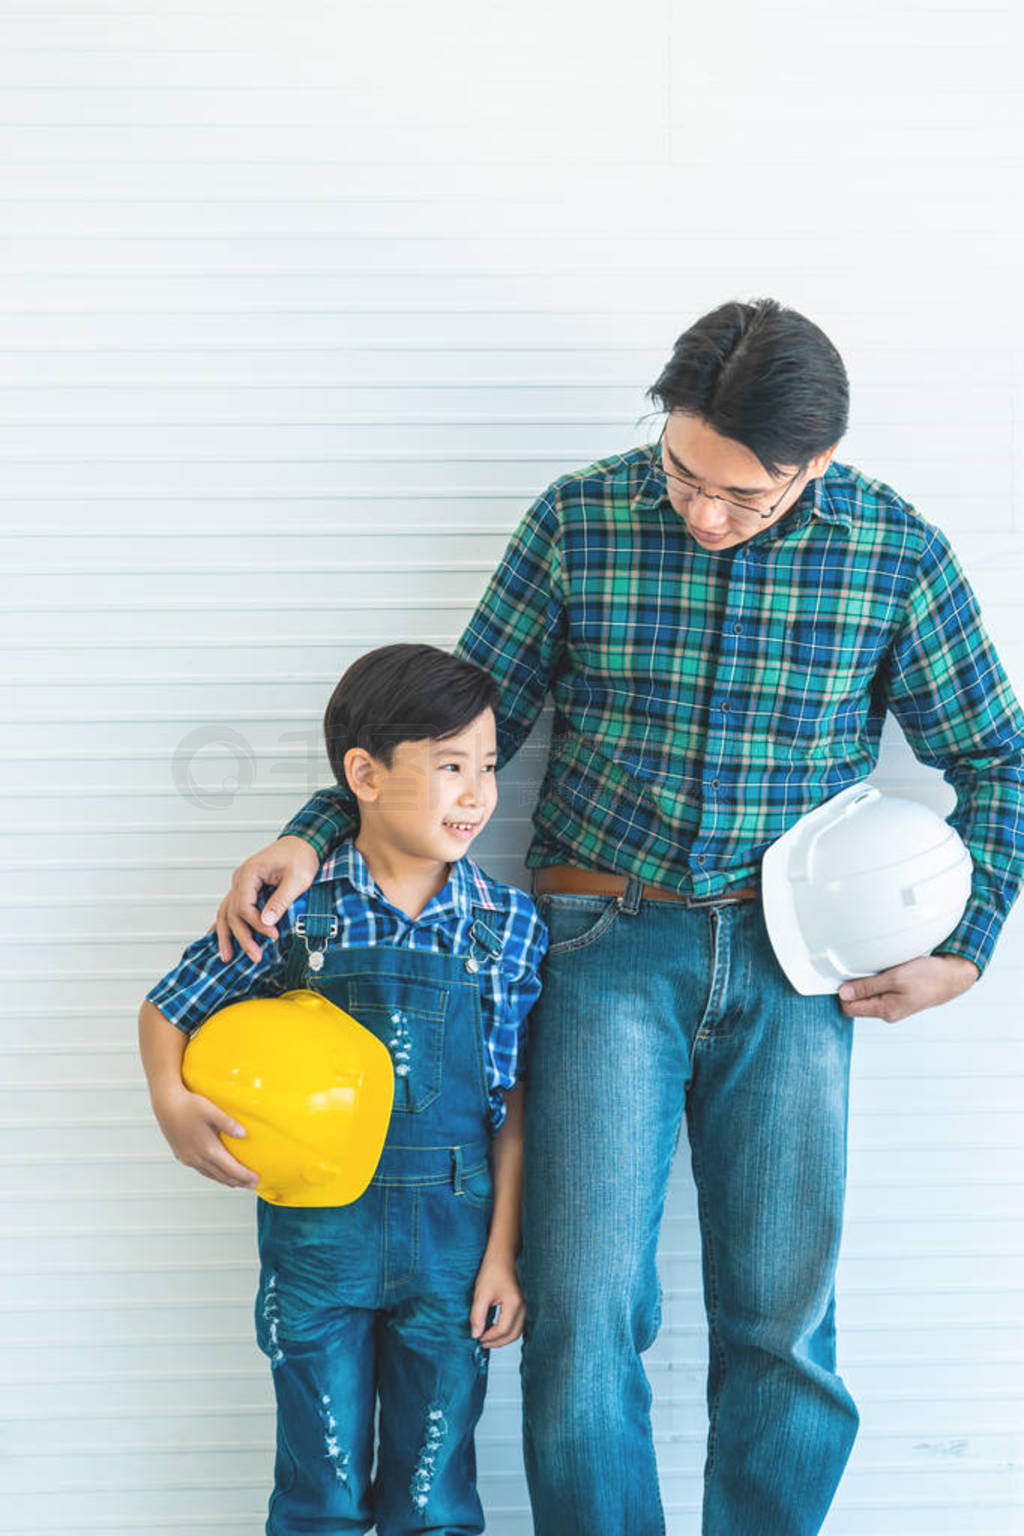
(347, 863)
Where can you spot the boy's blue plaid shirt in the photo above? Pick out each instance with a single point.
(201, 982)
(704, 701)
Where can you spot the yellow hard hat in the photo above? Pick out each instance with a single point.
(311, 1086)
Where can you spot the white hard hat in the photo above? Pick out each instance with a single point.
(861, 883)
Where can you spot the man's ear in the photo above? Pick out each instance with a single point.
(818, 466)
(361, 774)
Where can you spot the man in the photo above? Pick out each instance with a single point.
(722, 621)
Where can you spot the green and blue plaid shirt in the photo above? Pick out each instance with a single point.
(704, 700)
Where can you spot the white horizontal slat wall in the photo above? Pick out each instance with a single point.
(300, 306)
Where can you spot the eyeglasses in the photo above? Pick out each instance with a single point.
(745, 514)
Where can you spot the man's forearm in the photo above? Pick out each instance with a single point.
(950, 693)
(989, 815)
(325, 820)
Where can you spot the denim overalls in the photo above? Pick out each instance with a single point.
(372, 1299)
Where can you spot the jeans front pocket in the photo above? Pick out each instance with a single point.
(574, 922)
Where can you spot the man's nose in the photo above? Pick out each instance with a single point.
(711, 515)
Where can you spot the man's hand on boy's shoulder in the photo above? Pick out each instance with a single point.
(288, 867)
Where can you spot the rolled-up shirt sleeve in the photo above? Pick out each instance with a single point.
(202, 982)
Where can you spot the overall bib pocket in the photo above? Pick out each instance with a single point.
(410, 1020)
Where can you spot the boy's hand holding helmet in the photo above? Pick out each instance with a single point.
(193, 1127)
(312, 1085)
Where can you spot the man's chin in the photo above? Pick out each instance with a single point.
(708, 541)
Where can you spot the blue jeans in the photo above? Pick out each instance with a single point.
(333, 1359)
(649, 1008)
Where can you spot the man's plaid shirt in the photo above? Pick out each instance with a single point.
(705, 700)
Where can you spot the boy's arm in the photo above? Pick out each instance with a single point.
(506, 1234)
(189, 1122)
(525, 942)
(179, 1004)
(496, 1281)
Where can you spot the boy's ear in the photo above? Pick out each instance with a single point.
(361, 773)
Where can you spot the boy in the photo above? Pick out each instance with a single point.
(400, 1294)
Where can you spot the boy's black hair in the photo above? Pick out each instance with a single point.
(762, 375)
(403, 693)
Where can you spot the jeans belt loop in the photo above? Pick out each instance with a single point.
(629, 901)
(457, 1170)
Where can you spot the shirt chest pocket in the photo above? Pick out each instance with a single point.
(824, 693)
(409, 1017)
(835, 651)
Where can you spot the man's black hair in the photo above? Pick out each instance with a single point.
(403, 693)
(762, 375)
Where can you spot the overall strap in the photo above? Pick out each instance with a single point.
(313, 932)
(484, 943)
(320, 921)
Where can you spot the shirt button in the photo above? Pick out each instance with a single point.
(700, 858)
(714, 783)
(737, 629)
(724, 706)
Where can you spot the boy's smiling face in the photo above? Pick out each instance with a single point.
(436, 796)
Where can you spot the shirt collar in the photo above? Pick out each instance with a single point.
(459, 895)
(651, 490)
(820, 499)
(347, 863)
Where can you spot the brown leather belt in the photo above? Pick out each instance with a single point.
(568, 879)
